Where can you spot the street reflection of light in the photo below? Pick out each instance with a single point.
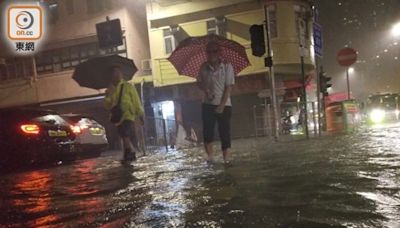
(86, 187)
(86, 179)
(377, 56)
(170, 197)
(36, 186)
(386, 50)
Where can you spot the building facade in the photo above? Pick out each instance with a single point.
(69, 40)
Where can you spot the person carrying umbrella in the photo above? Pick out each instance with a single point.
(216, 79)
(214, 61)
(123, 96)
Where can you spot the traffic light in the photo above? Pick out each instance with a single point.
(257, 40)
(109, 33)
(323, 83)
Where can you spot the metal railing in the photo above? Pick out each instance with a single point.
(291, 119)
(161, 134)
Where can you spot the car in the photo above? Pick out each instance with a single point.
(383, 108)
(91, 138)
(29, 135)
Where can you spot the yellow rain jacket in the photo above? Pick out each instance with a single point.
(131, 105)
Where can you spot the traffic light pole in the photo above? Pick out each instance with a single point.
(272, 76)
(303, 76)
(304, 93)
(318, 71)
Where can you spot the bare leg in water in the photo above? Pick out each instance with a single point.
(210, 151)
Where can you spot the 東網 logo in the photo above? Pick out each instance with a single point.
(25, 23)
(24, 20)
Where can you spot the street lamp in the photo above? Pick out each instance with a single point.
(396, 30)
(351, 70)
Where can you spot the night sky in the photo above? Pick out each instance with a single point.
(364, 25)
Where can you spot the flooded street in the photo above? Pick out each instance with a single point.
(334, 181)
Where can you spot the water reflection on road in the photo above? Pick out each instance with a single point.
(337, 181)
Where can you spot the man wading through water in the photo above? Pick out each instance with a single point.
(122, 94)
(216, 79)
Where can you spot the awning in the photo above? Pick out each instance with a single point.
(294, 84)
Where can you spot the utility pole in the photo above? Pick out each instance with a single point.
(318, 53)
(302, 44)
(143, 127)
(270, 65)
(317, 72)
(348, 84)
(323, 88)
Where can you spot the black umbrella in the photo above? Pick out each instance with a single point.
(95, 73)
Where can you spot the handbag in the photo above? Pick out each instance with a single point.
(116, 111)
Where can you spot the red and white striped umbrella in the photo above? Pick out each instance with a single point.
(191, 54)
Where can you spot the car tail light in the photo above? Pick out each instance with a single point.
(76, 129)
(31, 129)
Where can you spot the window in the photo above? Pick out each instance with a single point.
(52, 119)
(15, 68)
(53, 11)
(67, 58)
(216, 26)
(273, 28)
(169, 41)
(302, 27)
(69, 5)
(51, 8)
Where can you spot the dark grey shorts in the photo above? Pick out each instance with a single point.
(223, 120)
(125, 129)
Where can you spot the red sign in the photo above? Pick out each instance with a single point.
(346, 57)
(335, 97)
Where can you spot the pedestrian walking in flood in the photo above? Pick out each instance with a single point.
(216, 79)
(214, 61)
(125, 107)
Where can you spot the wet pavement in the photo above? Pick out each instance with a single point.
(334, 181)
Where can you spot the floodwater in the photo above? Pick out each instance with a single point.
(334, 181)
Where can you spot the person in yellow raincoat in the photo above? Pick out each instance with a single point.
(131, 108)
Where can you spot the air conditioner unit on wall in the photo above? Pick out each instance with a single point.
(146, 65)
